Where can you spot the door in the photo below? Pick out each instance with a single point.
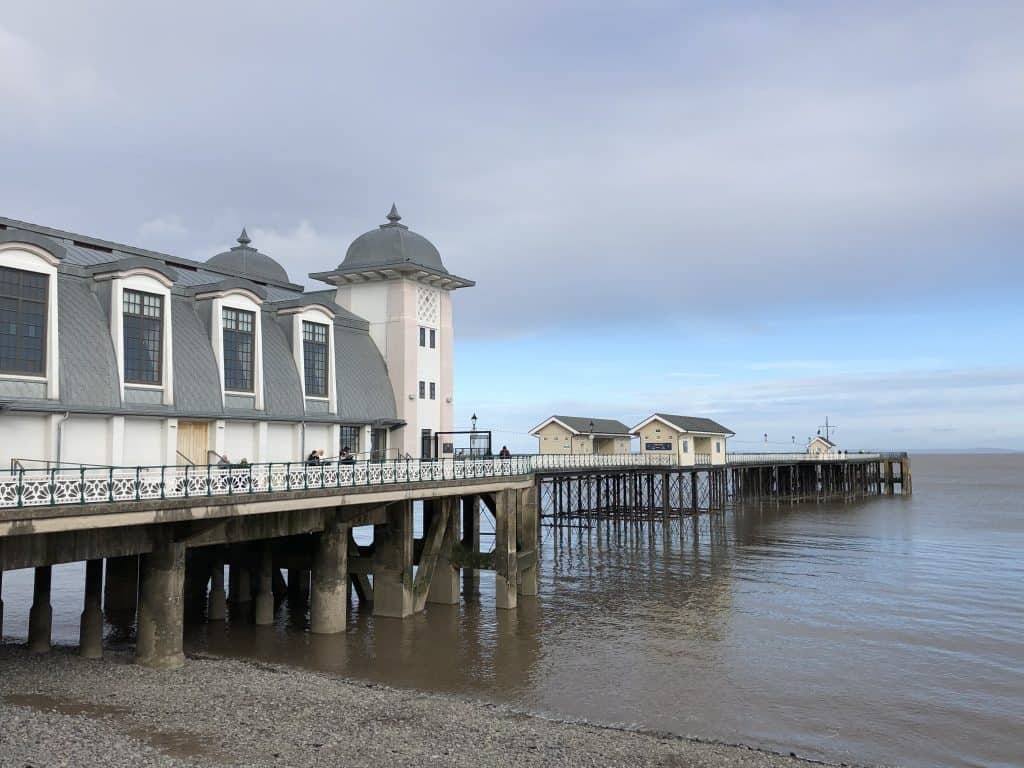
(193, 442)
(426, 444)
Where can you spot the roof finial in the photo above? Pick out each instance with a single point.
(243, 239)
(393, 216)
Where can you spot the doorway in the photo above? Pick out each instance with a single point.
(426, 444)
(193, 442)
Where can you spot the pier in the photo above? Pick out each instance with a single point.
(156, 540)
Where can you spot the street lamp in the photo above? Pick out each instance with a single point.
(473, 420)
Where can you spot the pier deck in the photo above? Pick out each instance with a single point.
(156, 540)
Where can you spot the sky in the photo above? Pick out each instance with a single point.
(764, 213)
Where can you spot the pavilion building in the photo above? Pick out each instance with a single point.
(117, 355)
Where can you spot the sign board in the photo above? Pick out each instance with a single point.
(448, 448)
(658, 447)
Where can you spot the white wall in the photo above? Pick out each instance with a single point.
(143, 441)
(240, 441)
(318, 436)
(282, 442)
(24, 436)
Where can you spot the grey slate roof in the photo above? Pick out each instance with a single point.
(88, 368)
(695, 424)
(392, 243)
(282, 387)
(581, 424)
(393, 248)
(85, 348)
(196, 376)
(364, 389)
(245, 261)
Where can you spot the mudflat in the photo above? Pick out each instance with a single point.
(59, 709)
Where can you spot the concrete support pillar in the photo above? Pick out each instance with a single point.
(526, 538)
(328, 593)
(40, 616)
(121, 588)
(1, 606)
(444, 586)
(265, 586)
(505, 556)
(90, 634)
(161, 608)
(392, 562)
(216, 606)
(470, 543)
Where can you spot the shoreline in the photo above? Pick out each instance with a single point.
(59, 709)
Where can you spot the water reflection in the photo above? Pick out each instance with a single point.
(891, 630)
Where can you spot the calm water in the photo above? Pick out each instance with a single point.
(887, 631)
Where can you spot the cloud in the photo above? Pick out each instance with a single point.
(167, 226)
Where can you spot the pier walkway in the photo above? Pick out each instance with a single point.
(156, 540)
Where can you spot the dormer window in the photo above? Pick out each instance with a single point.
(239, 349)
(143, 337)
(315, 354)
(23, 322)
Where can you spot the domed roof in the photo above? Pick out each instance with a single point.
(392, 243)
(245, 261)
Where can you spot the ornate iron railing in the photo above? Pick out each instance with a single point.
(775, 458)
(95, 484)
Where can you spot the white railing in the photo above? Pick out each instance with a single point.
(775, 458)
(94, 485)
(586, 460)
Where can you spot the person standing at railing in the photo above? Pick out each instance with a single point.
(504, 453)
(223, 461)
(315, 456)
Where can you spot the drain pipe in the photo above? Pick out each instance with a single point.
(60, 435)
(302, 446)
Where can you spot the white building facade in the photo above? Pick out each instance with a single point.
(115, 355)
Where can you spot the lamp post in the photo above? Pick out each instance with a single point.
(472, 420)
(592, 450)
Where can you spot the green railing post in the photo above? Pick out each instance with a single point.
(185, 494)
(138, 472)
(209, 484)
(53, 482)
(81, 485)
(21, 487)
(110, 484)
(163, 482)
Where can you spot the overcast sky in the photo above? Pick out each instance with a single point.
(764, 213)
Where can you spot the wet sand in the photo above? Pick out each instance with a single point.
(62, 710)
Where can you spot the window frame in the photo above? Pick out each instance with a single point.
(325, 345)
(433, 390)
(254, 317)
(433, 338)
(423, 389)
(144, 319)
(423, 336)
(44, 336)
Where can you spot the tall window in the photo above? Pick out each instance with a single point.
(423, 336)
(433, 338)
(22, 321)
(239, 349)
(433, 391)
(314, 355)
(350, 439)
(143, 323)
(423, 390)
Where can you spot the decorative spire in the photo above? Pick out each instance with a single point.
(393, 216)
(243, 239)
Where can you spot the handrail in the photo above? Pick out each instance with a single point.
(84, 485)
(186, 458)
